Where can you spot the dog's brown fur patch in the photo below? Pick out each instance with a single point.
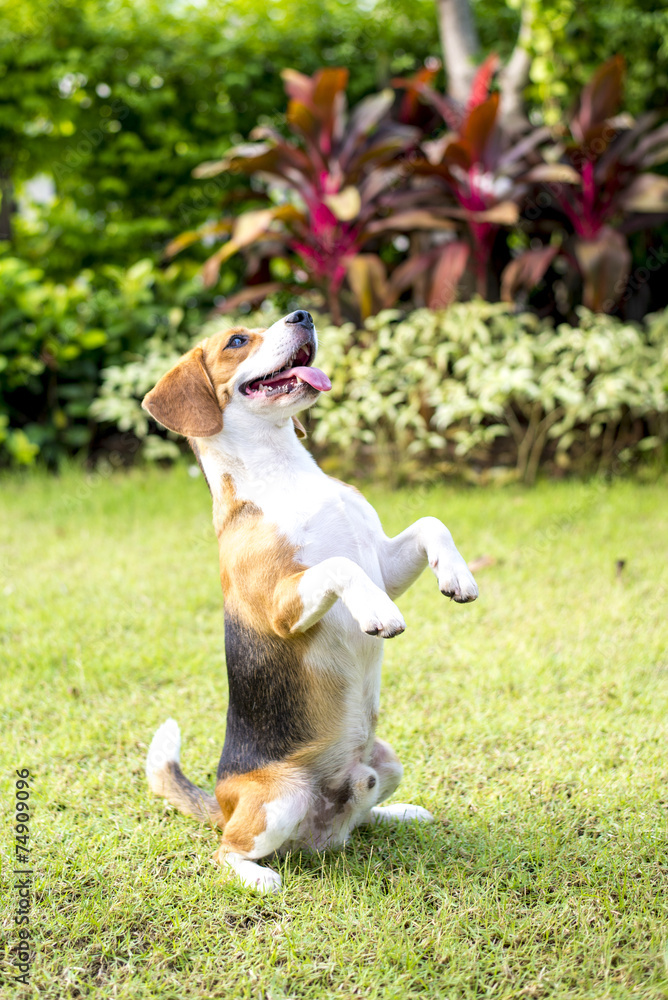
(259, 572)
(222, 363)
(190, 398)
(260, 577)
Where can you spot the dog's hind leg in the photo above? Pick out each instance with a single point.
(388, 767)
(262, 809)
(399, 812)
(390, 771)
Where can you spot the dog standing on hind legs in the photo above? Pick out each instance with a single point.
(309, 580)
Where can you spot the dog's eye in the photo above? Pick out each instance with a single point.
(236, 341)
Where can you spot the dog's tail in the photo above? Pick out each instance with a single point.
(166, 778)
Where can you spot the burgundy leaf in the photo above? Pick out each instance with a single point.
(604, 263)
(624, 138)
(482, 82)
(363, 121)
(253, 293)
(644, 150)
(328, 83)
(446, 107)
(447, 274)
(459, 154)
(378, 182)
(526, 145)
(406, 274)
(329, 104)
(411, 85)
(600, 98)
(526, 271)
(656, 157)
(478, 126)
(383, 147)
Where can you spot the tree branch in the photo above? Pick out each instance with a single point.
(514, 77)
(460, 44)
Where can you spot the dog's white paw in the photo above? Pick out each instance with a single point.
(385, 620)
(256, 877)
(374, 611)
(401, 812)
(250, 874)
(264, 880)
(455, 579)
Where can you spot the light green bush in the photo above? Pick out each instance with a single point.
(474, 390)
(478, 387)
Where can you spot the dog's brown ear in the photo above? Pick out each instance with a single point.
(184, 400)
(300, 430)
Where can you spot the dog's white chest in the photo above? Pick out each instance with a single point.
(321, 516)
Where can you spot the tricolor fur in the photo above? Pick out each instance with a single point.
(309, 579)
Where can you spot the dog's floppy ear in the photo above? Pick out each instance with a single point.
(184, 399)
(300, 430)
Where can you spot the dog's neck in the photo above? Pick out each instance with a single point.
(254, 453)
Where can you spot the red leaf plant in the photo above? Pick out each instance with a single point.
(474, 174)
(597, 174)
(322, 186)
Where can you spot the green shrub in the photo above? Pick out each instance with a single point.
(56, 338)
(124, 386)
(474, 390)
(477, 387)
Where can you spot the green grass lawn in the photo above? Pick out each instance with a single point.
(533, 724)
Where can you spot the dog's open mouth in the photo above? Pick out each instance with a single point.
(296, 372)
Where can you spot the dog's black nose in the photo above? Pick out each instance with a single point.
(300, 317)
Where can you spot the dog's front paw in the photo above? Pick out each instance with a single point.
(382, 618)
(372, 609)
(455, 579)
(385, 626)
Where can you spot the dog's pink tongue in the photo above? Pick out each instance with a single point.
(313, 376)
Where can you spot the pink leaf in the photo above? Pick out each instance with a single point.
(253, 293)
(605, 263)
(526, 271)
(482, 82)
(449, 269)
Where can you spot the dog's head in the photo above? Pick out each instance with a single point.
(267, 372)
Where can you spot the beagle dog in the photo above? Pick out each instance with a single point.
(309, 580)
